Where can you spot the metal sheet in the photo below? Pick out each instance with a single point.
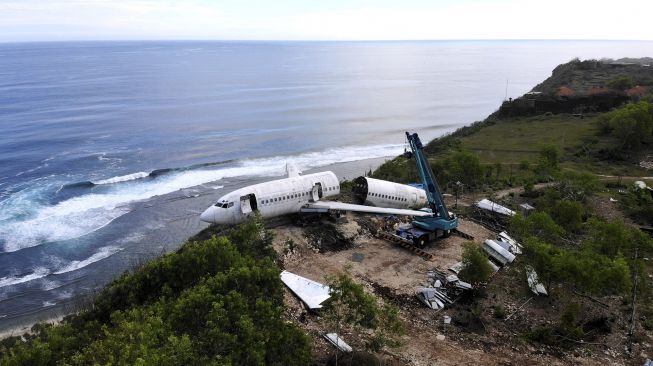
(312, 293)
(338, 342)
(534, 283)
(486, 204)
(498, 252)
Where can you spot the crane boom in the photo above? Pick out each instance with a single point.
(441, 218)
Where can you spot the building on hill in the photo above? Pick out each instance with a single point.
(564, 92)
(636, 92)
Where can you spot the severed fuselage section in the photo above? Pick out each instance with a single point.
(303, 193)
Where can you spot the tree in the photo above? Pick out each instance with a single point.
(631, 124)
(549, 156)
(537, 224)
(476, 268)
(621, 82)
(465, 166)
(568, 214)
(350, 306)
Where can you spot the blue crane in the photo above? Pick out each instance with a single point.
(442, 222)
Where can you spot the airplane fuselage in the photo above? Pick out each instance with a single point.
(274, 198)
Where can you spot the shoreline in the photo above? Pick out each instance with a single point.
(22, 324)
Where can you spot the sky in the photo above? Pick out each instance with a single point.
(57, 20)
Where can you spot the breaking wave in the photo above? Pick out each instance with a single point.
(36, 223)
(123, 178)
(15, 280)
(103, 253)
(42, 272)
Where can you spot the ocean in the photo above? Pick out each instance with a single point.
(109, 151)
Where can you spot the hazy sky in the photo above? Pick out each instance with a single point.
(32, 20)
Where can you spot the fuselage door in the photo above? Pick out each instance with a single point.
(316, 192)
(245, 204)
(414, 199)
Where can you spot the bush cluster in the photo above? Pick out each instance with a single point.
(215, 302)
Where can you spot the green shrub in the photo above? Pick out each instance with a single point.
(476, 268)
(214, 302)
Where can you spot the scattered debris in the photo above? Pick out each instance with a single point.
(440, 337)
(526, 209)
(647, 163)
(447, 319)
(310, 292)
(533, 282)
(497, 252)
(338, 342)
(640, 184)
(495, 268)
(486, 204)
(431, 297)
(443, 289)
(457, 267)
(515, 247)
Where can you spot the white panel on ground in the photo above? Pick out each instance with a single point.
(486, 204)
(515, 247)
(534, 283)
(498, 252)
(338, 342)
(310, 292)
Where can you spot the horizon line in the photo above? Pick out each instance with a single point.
(327, 40)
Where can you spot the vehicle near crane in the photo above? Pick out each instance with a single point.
(440, 222)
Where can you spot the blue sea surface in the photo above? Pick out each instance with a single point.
(110, 150)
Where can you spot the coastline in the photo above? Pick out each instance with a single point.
(182, 230)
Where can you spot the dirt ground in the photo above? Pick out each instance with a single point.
(393, 273)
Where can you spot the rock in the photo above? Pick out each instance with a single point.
(440, 337)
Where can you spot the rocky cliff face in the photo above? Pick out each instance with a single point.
(585, 86)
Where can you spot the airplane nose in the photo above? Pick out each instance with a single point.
(208, 215)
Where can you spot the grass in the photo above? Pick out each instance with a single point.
(513, 140)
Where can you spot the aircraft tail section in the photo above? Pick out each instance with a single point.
(292, 170)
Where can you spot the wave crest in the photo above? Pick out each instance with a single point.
(122, 178)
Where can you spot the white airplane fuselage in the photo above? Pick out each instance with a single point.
(271, 199)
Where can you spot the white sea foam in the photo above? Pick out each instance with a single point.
(103, 253)
(123, 178)
(15, 280)
(37, 223)
(66, 220)
(48, 304)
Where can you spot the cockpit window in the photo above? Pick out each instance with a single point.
(224, 204)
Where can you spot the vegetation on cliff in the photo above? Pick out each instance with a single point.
(579, 239)
(214, 302)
